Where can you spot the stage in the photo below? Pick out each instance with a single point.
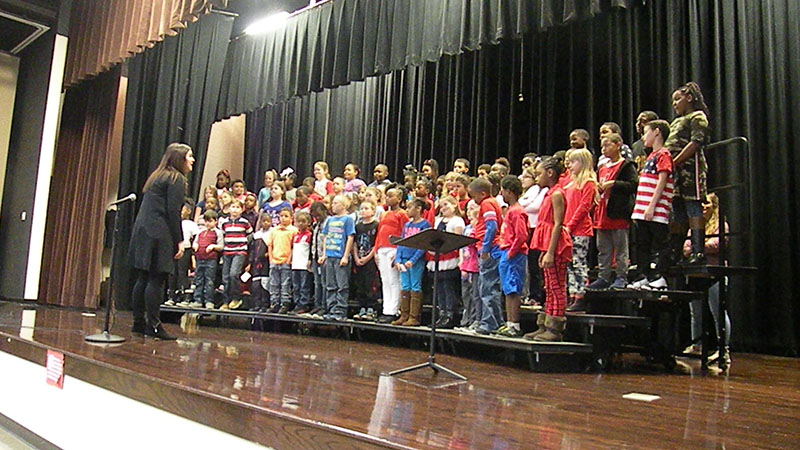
(286, 390)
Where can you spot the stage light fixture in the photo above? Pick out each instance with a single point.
(267, 24)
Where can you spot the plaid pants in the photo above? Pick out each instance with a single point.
(555, 285)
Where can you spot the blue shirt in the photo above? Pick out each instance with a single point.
(405, 254)
(274, 212)
(336, 230)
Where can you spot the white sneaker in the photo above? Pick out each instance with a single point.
(638, 284)
(184, 304)
(656, 285)
(209, 305)
(169, 302)
(195, 305)
(693, 349)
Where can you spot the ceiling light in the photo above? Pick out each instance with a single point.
(268, 23)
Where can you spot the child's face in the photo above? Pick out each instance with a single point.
(478, 196)
(649, 136)
(576, 141)
(222, 181)
(276, 192)
(392, 199)
(527, 180)
(288, 182)
(338, 206)
(269, 179)
(370, 197)
(185, 212)
(610, 149)
(421, 190)
(301, 222)
(367, 212)
(427, 170)
(266, 222)
(450, 185)
(212, 204)
(349, 172)
(482, 173)
(235, 210)
(641, 121)
(575, 166)
(446, 208)
(461, 189)
(250, 203)
(413, 211)
(338, 185)
(327, 202)
(472, 211)
(211, 224)
(209, 192)
(238, 189)
(362, 194)
(681, 103)
(301, 197)
(286, 218)
(380, 173)
(508, 196)
(605, 130)
(544, 177)
(226, 198)
(319, 172)
(459, 167)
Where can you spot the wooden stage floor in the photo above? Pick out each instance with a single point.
(291, 391)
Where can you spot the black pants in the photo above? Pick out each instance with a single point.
(651, 248)
(148, 293)
(535, 281)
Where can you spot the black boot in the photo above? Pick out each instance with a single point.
(698, 238)
(158, 332)
(138, 326)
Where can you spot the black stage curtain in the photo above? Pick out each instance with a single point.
(172, 91)
(580, 75)
(348, 40)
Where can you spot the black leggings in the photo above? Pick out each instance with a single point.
(148, 293)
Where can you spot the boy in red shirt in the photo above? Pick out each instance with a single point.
(513, 242)
(487, 225)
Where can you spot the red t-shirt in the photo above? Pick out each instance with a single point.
(601, 220)
(391, 224)
(514, 232)
(579, 205)
(430, 214)
(490, 211)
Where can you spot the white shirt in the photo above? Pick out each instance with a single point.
(456, 225)
(190, 230)
(531, 200)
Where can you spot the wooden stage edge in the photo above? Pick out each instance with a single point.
(291, 391)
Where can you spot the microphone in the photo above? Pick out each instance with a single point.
(129, 198)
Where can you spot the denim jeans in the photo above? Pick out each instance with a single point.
(320, 286)
(696, 311)
(301, 287)
(491, 315)
(338, 282)
(231, 270)
(469, 298)
(411, 279)
(280, 284)
(204, 280)
(447, 290)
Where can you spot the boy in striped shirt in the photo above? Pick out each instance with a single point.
(652, 209)
(235, 231)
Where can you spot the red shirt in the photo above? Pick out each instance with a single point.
(579, 205)
(658, 161)
(490, 211)
(564, 179)
(514, 232)
(430, 214)
(544, 230)
(391, 224)
(601, 220)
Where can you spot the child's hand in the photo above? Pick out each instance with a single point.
(408, 264)
(343, 262)
(400, 267)
(321, 260)
(649, 213)
(547, 261)
(484, 255)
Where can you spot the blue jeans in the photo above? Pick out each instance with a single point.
(280, 284)
(469, 298)
(301, 286)
(684, 209)
(320, 286)
(447, 290)
(338, 282)
(204, 280)
(491, 315)
(231, 270)
(696, 311)
(411, 279)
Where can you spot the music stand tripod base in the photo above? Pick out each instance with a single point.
(438, 242)
(104, 338)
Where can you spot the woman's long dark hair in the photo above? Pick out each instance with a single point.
(172, 165)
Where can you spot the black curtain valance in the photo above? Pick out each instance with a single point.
(348, 40)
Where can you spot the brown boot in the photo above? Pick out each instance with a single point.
(539, 323)
(416, 310)
(405, 297)
(555, 329)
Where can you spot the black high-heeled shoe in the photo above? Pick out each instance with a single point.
(139, 326)
(158, 332)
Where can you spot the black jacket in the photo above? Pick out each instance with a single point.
(160, 214)
(623, 193)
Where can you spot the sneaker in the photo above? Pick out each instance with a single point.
(638, 283)
(369, 316)
(209, 305)
(275, 308)
(693, 350)
(598, 284)
(183, 304)
(169, 302)
(474, 326)
(482, 332)
(284, 309)
(300, 310)
(223, 307)
(235, 304)
(220, 289)
(578, 307)
(656, 285)
(195, 305)
(619, 284)
(501, 329)
(510, 332)
(360, 314)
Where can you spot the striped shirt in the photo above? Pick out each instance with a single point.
(658, 161)
(235, 232)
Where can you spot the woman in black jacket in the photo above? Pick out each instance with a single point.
(156, 239)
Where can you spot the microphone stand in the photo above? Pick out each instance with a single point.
(106, 337)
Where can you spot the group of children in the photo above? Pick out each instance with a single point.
(307, 250)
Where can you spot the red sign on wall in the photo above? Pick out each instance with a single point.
(55, 369)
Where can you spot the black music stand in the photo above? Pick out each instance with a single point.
(438, 242)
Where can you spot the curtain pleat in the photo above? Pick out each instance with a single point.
(172, 92)
(342, 41)
(581, 75)
(71, 263)
(104, 33)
